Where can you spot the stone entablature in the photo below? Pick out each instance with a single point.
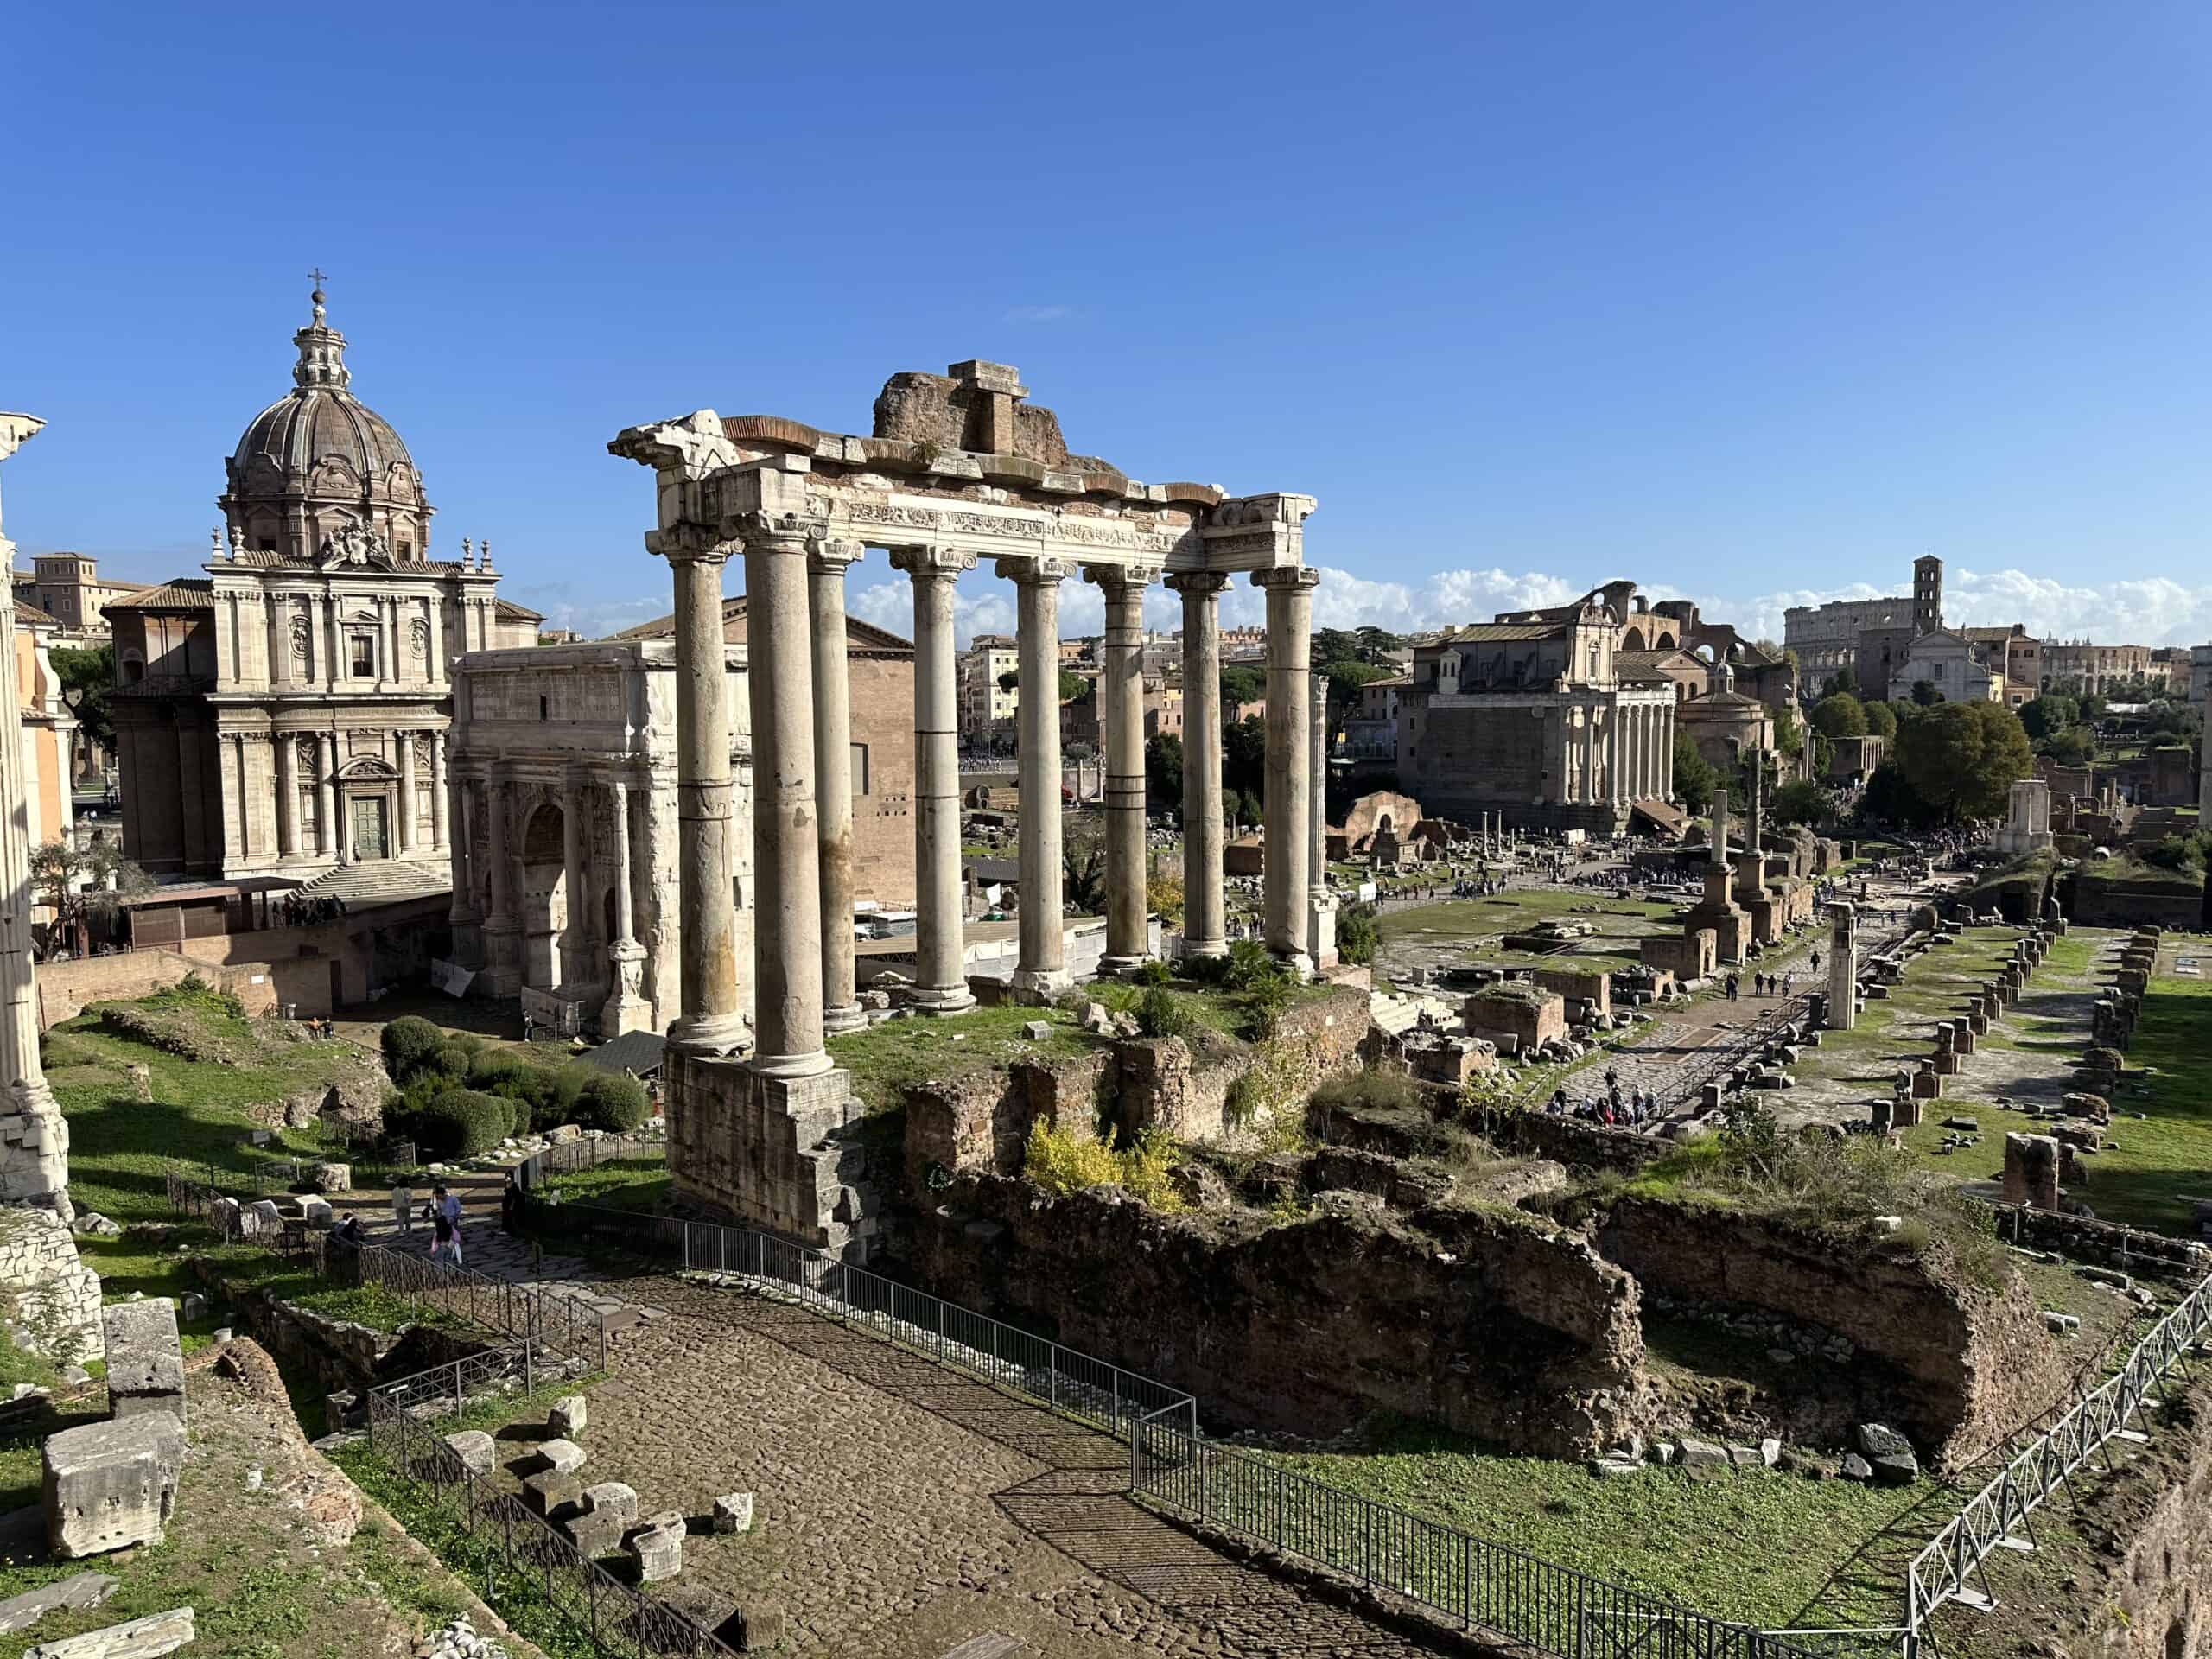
(958, 471)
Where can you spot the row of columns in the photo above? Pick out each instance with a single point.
(1621, 752)
(802, 818)
(329, 832)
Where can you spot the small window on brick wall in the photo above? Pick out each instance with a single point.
(860, 770)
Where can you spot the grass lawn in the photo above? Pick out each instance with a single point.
(119, 1146)
(2162, 1162)
(1764, 1548)
(889, 1058)
(618, 1184)
(1458, 928)
(1903, 1025)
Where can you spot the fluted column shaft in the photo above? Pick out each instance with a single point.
(1290, 751)
(287, 797)
(1041, 972)
(1205, 931)
(710, 1022)
(940, 961)
(1121, 711)
(826, 562)
(405, 743)
(786, 836)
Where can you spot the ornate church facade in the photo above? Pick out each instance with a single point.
(285, 712)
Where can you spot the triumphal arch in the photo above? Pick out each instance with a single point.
(959, 472)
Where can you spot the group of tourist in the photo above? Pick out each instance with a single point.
(442, 1212)
(1768, 984)
(294, 910)
(1614, 1109)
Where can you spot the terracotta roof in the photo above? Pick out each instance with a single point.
(180, 594)
(866, 635)
(507, 610)
(31, 617)
(1484, 633)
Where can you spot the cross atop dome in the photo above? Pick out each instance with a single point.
(322, 348)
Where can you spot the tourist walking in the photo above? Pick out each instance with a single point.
(403, 1209)
(449, 1213)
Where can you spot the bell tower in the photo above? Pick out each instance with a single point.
(1927, 594)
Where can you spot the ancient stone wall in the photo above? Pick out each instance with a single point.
(1577, 1144)
(45, 1289)
(1957, 1368)
(1483, 1321)
(2107, 904)
(65, 989)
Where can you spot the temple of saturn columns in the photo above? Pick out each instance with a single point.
(959, 472)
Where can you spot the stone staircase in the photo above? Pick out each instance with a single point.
(381, 881)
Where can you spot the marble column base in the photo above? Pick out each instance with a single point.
(1115, 967)
(938, 1000)
(813, 1063)
(1297, 965)
(841, 1017)
(710, 1034)
(1040, 986)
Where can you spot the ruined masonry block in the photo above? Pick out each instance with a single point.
(596, 1532)
(477, 1453)
(659, 1550)
(733, 1512)
(82, 1592)
(551, 1493)
(612, 1498)
(142, 1638)
(568, 1416)
(2031, 1164)
(145, 1358)
(112, 1485)
(333, 1178)
(563, 1457)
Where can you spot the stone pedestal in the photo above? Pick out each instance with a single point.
(775, 1152)
(2032, 1163)
(1843, 967)
(112, 1485)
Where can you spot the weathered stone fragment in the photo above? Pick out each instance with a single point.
(142, 1638)
(612, 1497)
(566, 1417)
(475, 1451)
(112, 1485)
(552, 1493)
(658, 1549)
(83, 1590)
(733, 1512)
(565, 1456)
(145, 1358)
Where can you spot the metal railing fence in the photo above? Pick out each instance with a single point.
(1466, 1580)
(1996, 1518)
(1061, 1378)
(511, 1543)
(535, 1314)
(565, 1157)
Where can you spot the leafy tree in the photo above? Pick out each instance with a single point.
(1844, 679)
(2183, 853)
(1962, 758)
(2049, 714)
(1925, 694)
(1242, 682)
(1011, 680)
(1881, 720)
(1163, 773)
(1083, 865)
(84, 885)
(1889, 798)
(1345, 677)
(1695, 777)
(1244, 755)
(1074, 687)
(2076, 745)
(86, 676)
(1840, 715)
(1355, 645)
(1799, 802)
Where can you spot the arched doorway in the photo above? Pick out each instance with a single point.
(544, 897)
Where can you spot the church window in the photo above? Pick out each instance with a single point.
(362, 647)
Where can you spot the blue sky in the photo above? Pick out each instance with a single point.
(1751, 302)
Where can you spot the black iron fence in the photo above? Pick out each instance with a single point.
(565, 1157)
(509, 1547)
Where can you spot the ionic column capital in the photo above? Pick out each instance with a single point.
(1199, 583)
(1123, 576)
(1034, 573)
(1286, 578)
(938, 562)
(830, 556)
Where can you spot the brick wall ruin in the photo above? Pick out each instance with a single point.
(1485, 1322)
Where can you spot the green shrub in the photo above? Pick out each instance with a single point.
(1160, 1012)
(1271, 1000)
(1250, 966)
(1065, 1160)
(611, 1100)
(1383, 1092)
(1357, 934)
(1152, 971)
(408, 1042)
(1207, 970)
(461, 1123)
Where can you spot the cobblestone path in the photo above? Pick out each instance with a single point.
(903, 1509)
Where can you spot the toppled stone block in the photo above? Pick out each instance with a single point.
(145, 1358)
(476, 1452)
(658, 1548)
(142, 1638)
(1036, 1031)
(315, 1212)
(552, 1493)
(568, 1416)
(82, 1592)
(562, 1456)
(612, 1497)
(191, 1306)
(1702, 1454)
(333, 1178)
(111, 1485)
(1857, 1468)
(596, 1532)
(261, 1218)
(733, 1512)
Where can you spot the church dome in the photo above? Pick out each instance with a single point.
(319, 462)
